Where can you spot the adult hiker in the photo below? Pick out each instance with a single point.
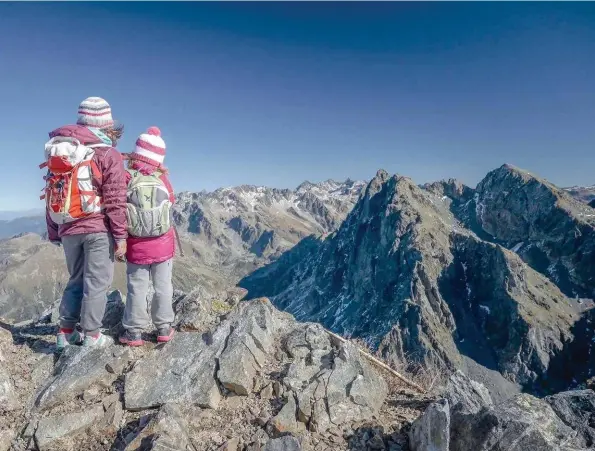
(151, 241)
(86, 213)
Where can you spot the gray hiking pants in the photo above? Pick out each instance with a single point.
(136, 316)
(90, 263)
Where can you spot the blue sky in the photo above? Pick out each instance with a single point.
(277, 93)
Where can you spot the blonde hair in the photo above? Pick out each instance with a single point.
(114, 133)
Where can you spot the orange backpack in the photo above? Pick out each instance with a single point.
(69, 192)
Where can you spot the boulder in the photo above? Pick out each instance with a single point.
(166, 431)
(250, 342)
(51, 429)
(285, 421)
(333, 390)
(465, 395)
(78, 369)
(431, 431)
(183, 371)
(523, 423)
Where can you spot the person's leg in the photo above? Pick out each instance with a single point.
(98, 276)
(136, 317)
(162, 311)
(70, 306)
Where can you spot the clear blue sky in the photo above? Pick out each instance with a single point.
(275, 94)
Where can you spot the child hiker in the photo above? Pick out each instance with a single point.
(85, 197)
(151, 241)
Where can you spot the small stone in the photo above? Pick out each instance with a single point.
(277, 389)
(90, 394)
(335, 431)
(234, 402)
(267, 392)
(109, 400)
(262, 421)
(231, 445)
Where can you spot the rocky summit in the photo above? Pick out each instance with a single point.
(436, 275)
(255, 379)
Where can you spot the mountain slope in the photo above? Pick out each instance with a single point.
(235, 230)
(225, 235)
(553, 232)
(403, 273)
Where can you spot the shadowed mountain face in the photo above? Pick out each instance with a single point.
(424, 275)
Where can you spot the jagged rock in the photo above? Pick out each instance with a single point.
(523, 423)
(285, 421)
(577, 410)
(51, 429)
(248, 345)
(431, 431)
(466, 396)
(166, 431)
(335, 390)
(77, 369)
(174, 374)
(286, 443)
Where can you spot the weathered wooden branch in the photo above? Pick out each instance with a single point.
(381, 364)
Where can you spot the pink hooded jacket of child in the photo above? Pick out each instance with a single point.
(147, 158)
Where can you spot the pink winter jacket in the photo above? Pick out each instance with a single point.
(111, 187)
(146, 251)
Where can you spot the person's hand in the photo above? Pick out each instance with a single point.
(56, 243)
(120, 251)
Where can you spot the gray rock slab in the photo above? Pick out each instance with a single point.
(58, 427)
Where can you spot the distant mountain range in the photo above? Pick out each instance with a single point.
(497, 281)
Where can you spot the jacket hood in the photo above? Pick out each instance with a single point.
(80, 132)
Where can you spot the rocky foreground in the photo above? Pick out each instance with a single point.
(245, 376)
(237, 376)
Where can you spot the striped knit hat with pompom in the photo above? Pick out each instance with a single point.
(150, 147)
(95, 112)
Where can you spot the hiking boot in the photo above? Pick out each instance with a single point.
(164, 334)
(98, 340)
(131, 338)
(67, 337)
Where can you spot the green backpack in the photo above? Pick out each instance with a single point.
(148, 206)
